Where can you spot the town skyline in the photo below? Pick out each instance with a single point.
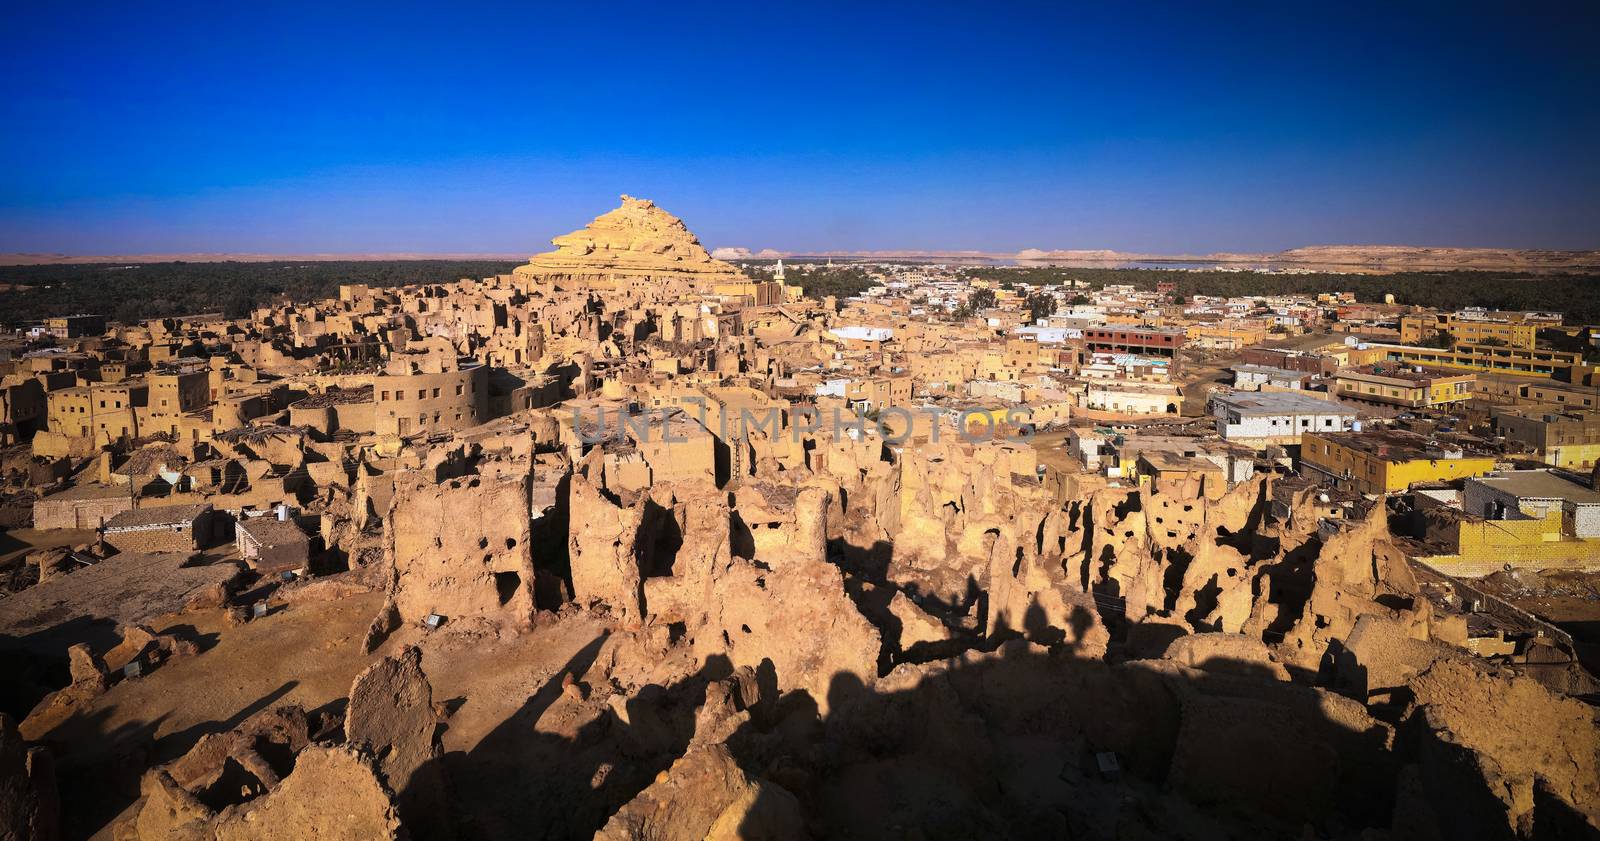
(1028, 420)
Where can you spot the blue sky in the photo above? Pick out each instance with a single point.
(1182, 127)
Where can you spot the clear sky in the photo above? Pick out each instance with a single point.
(1190, 127)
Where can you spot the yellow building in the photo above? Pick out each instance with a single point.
(1469, 331)
(1505, 360)
(1481, 547)
(1411, 387)
(1562, 438)
(1522, 518)
(1386, 461)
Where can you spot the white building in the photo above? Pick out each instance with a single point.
(1253, 377)
(1131, 398)
(1276, 417)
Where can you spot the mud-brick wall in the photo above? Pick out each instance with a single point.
(159, 539)
(78, 513)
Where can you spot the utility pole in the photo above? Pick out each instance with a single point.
(133, 498)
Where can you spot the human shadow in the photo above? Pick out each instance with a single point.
(1012, 739)
(1018, 743)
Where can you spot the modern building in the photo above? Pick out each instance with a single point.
(1561, 438)
(1533, 519)
(1276, 417)
(1563, 395)
(1520, 494)
(1225, 338)
(1253, 377)
(1403, 386)
(271, 544)
(1131, 398)
(168, 528)
(1293, 360)
(1508, 329)
(1148, 340)
(1388, 460)
(1505, 360)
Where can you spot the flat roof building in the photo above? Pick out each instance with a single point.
(1276, 417)
(1405, 386)
(1388, 460)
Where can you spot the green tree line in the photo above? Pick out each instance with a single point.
(1575, 295)
(135, 292)
(840, 281)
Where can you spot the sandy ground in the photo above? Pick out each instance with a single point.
(19, 542)
(1198, 382)
(1052, 453)
(309, 654)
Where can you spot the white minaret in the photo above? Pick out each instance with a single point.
(778, 275)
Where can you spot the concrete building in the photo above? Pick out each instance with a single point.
(1387, 461)
(1509, 329)
(1146, 340)
(1129, 398)
(1406, 387)
(1532, 519)
(1253, 377)
(1276, 417)
(1504, 360)
(1518, 494)
(1317, 364)
(1561, 438)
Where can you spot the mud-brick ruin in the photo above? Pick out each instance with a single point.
(507, 615)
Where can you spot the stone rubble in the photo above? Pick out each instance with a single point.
(792, 630)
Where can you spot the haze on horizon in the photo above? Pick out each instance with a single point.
(819, 127)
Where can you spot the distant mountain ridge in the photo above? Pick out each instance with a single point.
(1354, 257)
(1357, 256)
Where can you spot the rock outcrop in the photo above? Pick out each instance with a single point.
(635, 243)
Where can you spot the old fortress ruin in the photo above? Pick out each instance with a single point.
(359, 569)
